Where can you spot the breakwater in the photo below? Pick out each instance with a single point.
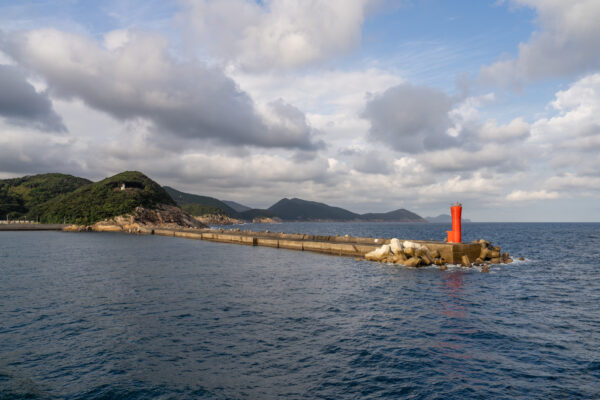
(335, 245)
(31, 227)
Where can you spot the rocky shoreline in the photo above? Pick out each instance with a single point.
(141, 220)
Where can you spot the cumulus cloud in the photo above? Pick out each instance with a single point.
(566, 43)
(21, 104)
(517, 129)
(575, 129)
(132, 76)
(535, 195)
(276, 33)
(410, 118)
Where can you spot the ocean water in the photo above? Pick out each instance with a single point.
(112, 316)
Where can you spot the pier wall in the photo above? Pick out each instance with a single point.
(335, 245)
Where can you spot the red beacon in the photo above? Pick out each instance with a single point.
(454, 235)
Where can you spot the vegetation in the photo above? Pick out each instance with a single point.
(199, 210)
(58, 198)
(208, 204)
(104, 199)
(19, 195)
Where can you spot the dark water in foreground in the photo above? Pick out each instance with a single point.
(102, 316)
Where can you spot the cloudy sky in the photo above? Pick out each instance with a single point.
(371, 105)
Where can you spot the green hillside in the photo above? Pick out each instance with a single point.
(185, 199)
(97, 201)
(19, 195)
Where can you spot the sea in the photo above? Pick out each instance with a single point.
(116, 316)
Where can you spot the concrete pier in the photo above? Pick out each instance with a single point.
(31, 227)
(334, 245)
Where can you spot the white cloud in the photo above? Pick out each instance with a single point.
(138, 79)
(565, 44)
(276, 33)
(523, 195)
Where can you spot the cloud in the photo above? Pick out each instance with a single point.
(517, 129)
(21, 104)
(565, 44)
(410, 118)
(523, 195)
(276, 33)
(133, 76)
(574, 132)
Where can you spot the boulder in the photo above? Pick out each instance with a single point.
(443, 267)
(413, 262)
(409, 244)
(400, 258)
(379, 254)
(395, 245)
(434, 254)
(466, 262)
(496, 260)
(426, 260)
(409, 251)
(485, 269)
(494, 254)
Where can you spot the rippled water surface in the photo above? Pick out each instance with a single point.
(101, 316)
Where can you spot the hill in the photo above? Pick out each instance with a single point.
(237, 206)
(19, 195)
(400, 215)
(444, 218)
(210, 203)
(303, 210)
(105, 199)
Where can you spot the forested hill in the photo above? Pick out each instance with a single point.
(61, 198)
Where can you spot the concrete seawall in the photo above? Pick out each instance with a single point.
(334, 245)
(31, 227)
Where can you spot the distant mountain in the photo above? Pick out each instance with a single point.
(444, 218)
(185, 199)
(236, 206)
(303, 210)
(400, 215)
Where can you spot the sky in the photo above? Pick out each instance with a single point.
(370, 105)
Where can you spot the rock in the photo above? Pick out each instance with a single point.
(497, 248)
(496, 260)
(443, 267)
(485, 253)
(485, 269)
(409, 244)
(508, 261)
(379, 254)
(494, 254)
(413, 262)
(409, 251)
(426, 260)
(218, 219)
(395, 245)
(438, 261)
(521, 259)
(434, 254)
(400, 258)
(479, 260)
(466, 262)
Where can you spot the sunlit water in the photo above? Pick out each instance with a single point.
(101, 316)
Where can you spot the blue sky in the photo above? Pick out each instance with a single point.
(371, 105)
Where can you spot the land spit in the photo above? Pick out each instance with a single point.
(335, 245)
